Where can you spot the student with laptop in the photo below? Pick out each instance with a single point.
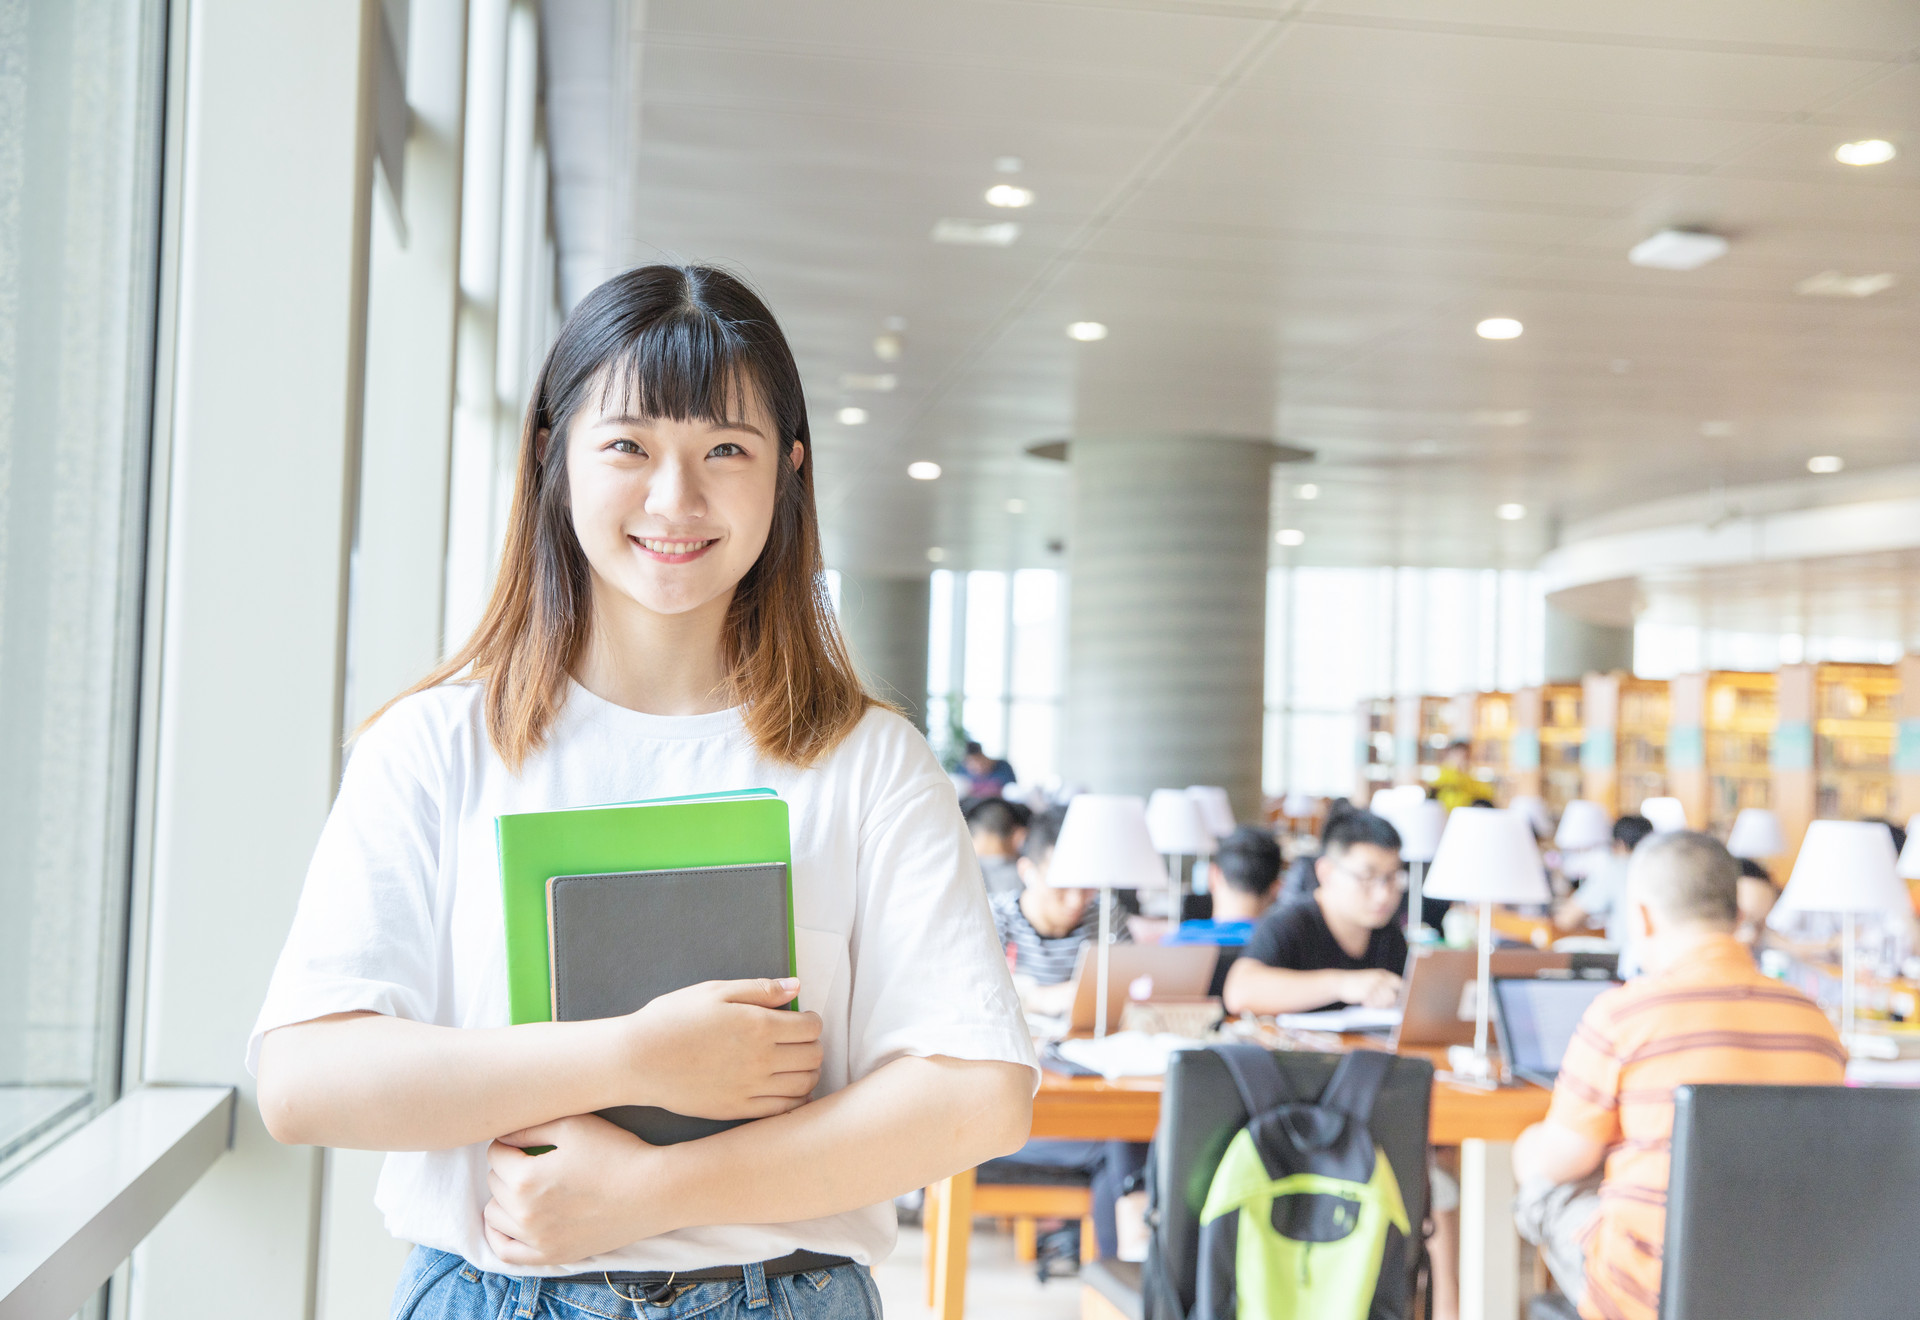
(1601, 898)
(1594, 1173)
(1043, 929)
(1242, 879)
(657, 628)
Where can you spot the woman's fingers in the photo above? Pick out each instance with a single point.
(792, 1027)
(797, 1058)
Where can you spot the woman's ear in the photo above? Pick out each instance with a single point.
(797, 455)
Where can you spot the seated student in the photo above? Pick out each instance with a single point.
(1601, 897)
(1753, 900)
(1241, 881)
(986, 776)
(1455, 784)
(1701, 1013)
(1299, 881)
(998, 828)
(1339, 945)
(1044, 928)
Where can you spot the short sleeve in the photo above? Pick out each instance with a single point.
(363, 936)
(929, 971)
(1586, 1095)
(1275, 941)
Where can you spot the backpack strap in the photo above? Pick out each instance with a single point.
(1356, 1083)
(1256, 1076)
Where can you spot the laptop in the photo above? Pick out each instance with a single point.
(1536, 1016)
(1437, 1001)
(1140, 971)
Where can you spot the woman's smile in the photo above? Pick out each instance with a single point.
(665, 551)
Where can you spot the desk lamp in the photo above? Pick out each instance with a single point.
(1585, 827)
(1419, 825)
(1175, 824)
(1487, 857)
(1756, 834)
(1104, 844)
(1667, 815)
(1846, 867)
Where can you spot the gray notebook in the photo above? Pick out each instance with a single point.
(617, 942)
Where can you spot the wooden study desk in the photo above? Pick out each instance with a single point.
(1482, 1123)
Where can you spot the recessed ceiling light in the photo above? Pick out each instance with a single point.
(1008, 164)
(888, 346)
(1500, 417)
(976, 233)
(1307, 492)
(1016, 506)
(924, 471)
(1006, 194)
(1825, 464)
(1677, 249)
(1620, 366)
(1868, 151)
(1086, 331)
(1511, 512)
(852, 416)
(877, 384)
(935, 554)
(1499, 327)
(1290, 536)
(1717, 430)
(1833, 284)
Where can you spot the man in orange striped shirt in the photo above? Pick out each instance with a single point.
(1701, 1013)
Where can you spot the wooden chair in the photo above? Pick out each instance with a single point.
(963, 1197)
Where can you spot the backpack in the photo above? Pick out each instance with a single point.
(1303, 1217)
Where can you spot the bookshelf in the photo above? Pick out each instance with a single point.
(1906, 743)
(1421, 731)
(1372, 747)
(1623, 759)
(1488, 728)
(1833, 745)
(1718, 741)
(1543, 750)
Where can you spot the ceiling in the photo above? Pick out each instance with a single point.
(1290, 217)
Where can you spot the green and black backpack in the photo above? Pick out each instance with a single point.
(1304, 1218)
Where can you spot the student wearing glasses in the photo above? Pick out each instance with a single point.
(1337, 945)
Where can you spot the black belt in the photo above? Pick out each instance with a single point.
(658, 1286)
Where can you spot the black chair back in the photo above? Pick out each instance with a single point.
(1200, 1112)
(1793, 1203)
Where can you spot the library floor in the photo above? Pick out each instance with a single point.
(997, 1284)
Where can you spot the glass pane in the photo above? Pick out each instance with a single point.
(984, 710)
(77, 93)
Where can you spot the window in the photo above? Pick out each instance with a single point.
(994, 656)
(79, 86)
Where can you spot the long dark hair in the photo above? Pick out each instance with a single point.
(689, 343)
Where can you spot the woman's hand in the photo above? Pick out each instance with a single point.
(724, 1049)
(587, 1195)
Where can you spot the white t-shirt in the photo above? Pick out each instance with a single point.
(401, 914)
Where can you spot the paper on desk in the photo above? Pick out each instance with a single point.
(1341, 1019)
(1125, 1053)
(1883, 1072)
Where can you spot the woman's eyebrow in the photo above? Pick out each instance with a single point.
(624, 420)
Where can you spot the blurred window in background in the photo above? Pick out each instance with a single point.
(80, 88)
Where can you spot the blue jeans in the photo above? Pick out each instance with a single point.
(438, 1285)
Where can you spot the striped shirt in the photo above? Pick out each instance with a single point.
(1049, 960)
(1713, 1019)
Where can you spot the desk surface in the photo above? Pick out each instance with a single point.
(1094, 1109)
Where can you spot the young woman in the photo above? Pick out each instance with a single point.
(658, 627)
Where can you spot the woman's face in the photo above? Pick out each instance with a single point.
(671, 515)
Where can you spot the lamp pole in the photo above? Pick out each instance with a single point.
(1100, 964)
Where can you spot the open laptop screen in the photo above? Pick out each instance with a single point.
(1539, 1015)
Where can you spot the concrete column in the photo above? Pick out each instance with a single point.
(885, 622)
(1167, 614)
(1576, 648)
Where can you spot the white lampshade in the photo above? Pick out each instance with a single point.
(1104, 843)
(1584, 824)
(1173, 821)
(1909, 867)
(1295, 805)
(1216, 809)
(1419, 825)
(1487, 856)
(1756, 834)
(1843, 866)
(1384, 799)
(1667, 815)
(1532, 808)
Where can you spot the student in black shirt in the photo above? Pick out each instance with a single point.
(1338, 945)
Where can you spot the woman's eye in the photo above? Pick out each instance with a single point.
(627, 447)
(726, 449)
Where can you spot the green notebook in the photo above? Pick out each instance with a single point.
(723, 829)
